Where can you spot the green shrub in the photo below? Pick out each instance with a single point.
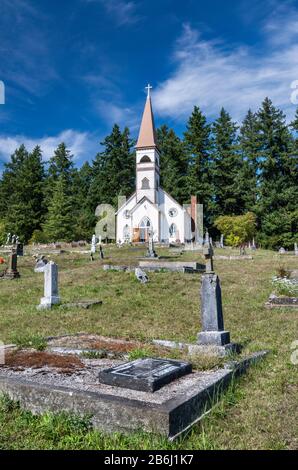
(237, 229)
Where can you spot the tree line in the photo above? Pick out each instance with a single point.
(232, 169)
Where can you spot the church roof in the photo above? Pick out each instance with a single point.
(147, 134)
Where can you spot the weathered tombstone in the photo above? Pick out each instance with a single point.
(281, 251)
(213, 332)
(93, 244)
(206, 241)
(242, 250)
(208, 254)
(141, 276)
(12, 270)
(40, 265)
(51, 295)
(253, 246)
(20, 249)
(147, 375)
(8, 240)
(221, 243)
(296, 249)
(150, 251)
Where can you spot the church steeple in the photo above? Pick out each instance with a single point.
(147, 156)
(147, 134)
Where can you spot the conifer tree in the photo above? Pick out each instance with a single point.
(277, 206)
(59, 225)
(113, 169)
(249, 142)
(173, 164)
(198, 145)
(25, 206)
(84, 213)
(60, 164)
(226, 166)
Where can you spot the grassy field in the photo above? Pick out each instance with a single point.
(260, 412)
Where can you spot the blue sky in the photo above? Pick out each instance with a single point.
(72, 68)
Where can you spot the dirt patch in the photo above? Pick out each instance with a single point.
(85, 341)
(40, 359)
(117, 346)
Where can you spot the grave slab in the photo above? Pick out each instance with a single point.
(170, 411)
(147, 375)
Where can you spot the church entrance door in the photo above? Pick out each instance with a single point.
(145, 226)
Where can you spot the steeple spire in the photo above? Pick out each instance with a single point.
(147, 134)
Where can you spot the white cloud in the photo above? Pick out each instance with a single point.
(116, 114)
(82, 145)
(122, 12)
(212, 74)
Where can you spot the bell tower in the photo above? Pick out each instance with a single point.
(147, 156)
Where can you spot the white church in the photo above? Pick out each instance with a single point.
(150, 208)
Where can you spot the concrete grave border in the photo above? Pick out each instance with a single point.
(111, 413)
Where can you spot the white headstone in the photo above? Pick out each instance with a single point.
(51, 295)
(93, 244)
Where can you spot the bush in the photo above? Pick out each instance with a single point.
(38, 236)
(237, 229)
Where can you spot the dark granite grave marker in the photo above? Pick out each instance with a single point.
(147, 375)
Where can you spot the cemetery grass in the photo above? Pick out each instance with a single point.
(258, 412)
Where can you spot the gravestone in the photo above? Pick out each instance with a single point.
(221, 243)
(208, 254)
(242, 250)
(253, 246)
(213, 332)
(206, 241)
(40, 265)
(147, 375)
(281, 251)
(20, 249)
(93, 244)
(12, 270)
(141, 276)
(296, 249)
(51, 296)
(150, 251)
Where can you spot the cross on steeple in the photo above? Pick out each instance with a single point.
(148, 88)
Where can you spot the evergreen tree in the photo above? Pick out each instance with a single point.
(249, 141)
(25, 208)
(59, 225)
(198, 146)
(60, 164)
(8, 185)
(173, 164)
(113, 169)
(226, 166)
(84, 214)
(277, 206)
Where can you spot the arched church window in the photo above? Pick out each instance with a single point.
(145, 222)
(145, 159)
(145, 183)
(173, 230)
